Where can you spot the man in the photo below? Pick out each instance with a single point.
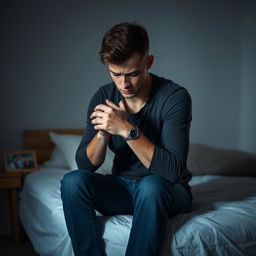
(145, 121)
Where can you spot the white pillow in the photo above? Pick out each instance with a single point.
(68, 144)
(57, 159)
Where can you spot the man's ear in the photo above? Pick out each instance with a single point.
(150, 60)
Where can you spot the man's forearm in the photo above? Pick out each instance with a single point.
(143, 149)
(96, 149)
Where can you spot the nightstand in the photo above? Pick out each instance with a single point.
(12, 182)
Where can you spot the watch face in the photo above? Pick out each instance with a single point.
(133, 133)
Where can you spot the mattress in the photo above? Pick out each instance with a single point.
(222, 220)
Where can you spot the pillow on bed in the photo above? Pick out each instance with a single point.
(204, 159)
(57, 159)
(68, 144)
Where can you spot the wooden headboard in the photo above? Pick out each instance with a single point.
(40, 141)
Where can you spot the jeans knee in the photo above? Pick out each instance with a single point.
(72, 182)
(153, 188)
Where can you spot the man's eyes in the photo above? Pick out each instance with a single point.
(127, 75)
(116, 74)
(133, 74)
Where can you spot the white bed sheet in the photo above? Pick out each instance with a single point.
(222, 221)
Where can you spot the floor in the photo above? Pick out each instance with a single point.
(9, 248)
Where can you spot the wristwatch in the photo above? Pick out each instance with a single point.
(133, 134)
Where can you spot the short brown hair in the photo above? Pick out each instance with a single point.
(123, 40)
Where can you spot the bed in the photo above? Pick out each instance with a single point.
(222, 221)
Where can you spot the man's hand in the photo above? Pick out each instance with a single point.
(111, 118)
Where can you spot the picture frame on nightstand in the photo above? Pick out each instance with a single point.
(20, 161)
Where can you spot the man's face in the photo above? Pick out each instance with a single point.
(131, 77)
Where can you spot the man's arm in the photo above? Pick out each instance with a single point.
(170, 155)
(92, 148)
(96, 149)
(142, 147)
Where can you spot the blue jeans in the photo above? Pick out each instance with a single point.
(151, 200)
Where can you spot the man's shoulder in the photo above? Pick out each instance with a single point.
(107, 91)
(107, 88)
(166, 88)
(172, 97)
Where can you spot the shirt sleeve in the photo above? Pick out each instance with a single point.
(82, 159)
(169, 158)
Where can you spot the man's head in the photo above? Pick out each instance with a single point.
(122, 41)
(125, 50)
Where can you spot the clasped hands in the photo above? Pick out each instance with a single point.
(110, 118)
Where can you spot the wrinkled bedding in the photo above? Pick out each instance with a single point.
(222, 221)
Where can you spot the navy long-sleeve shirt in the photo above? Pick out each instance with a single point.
(165, 120)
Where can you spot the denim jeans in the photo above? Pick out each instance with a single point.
(151, 200)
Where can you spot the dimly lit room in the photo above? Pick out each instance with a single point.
(53, 70)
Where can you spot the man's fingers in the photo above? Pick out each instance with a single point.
(97, 114)
(97, 120)
(122, 105)
(111, 104)
(102, 108)
(98, 127)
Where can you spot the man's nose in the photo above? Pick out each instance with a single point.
(124, 80)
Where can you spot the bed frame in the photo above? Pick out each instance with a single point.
(40, 141)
